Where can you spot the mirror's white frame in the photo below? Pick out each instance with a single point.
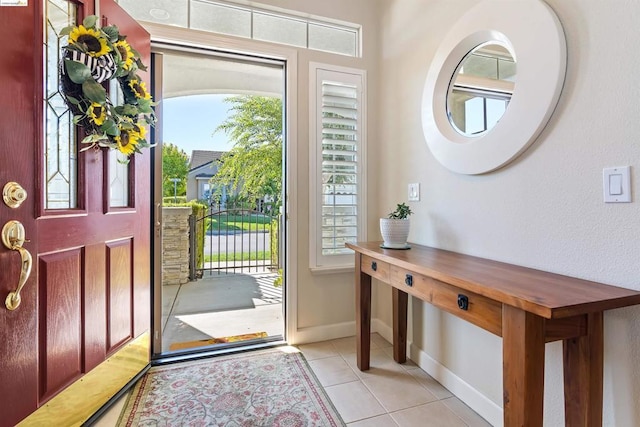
(531, 31)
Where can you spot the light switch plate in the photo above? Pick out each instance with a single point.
(616, 183)
(414, 192)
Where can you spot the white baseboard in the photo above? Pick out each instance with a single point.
(383, 329)
(323, 333)
(338, 330)
(456, 385)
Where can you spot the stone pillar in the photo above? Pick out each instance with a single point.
(175, 245)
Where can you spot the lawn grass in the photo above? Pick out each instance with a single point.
(240, 256)
(238, 222)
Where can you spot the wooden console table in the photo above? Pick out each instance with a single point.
(526, 307)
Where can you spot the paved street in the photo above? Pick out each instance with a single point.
(242, 242)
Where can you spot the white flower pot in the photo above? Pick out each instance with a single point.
(394, 232)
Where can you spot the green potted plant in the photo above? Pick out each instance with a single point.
(395, 227)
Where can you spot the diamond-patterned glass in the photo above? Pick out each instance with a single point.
(60, 134)
(118, 166)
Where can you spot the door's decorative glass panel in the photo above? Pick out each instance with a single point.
(118, 180)
(61, 165)
(118, 163)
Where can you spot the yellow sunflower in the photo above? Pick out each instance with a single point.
(90, 40)
(127, 141)
(142, 131)
(97, 113)
(125, 53)
(139, 89)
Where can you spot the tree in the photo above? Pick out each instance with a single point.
(175, 164)
(253, 167)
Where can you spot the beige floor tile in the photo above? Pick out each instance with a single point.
(381, 421)
(378, 341)
(345, 346)
(467, 414)
(432, 385)
(409, 364)
(381, 364)
(332, 371)
(434, 414)
(400, 391)
(318, 350)
(354, 401)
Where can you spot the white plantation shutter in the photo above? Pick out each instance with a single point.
(337, 181)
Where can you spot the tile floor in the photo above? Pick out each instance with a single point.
(387, 395)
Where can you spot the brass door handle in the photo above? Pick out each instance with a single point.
(13, 238)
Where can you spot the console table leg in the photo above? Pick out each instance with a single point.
(400, 300)
(523, 367)
(363, 316)
(583, 371)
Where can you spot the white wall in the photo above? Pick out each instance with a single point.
(544, 210)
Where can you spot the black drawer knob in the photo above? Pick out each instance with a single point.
(408, 280)
(463, 302)
(374, 265)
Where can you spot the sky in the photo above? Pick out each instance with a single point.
(189, 122)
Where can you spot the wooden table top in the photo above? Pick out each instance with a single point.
(546, 294)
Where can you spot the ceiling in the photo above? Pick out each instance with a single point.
(186, 73)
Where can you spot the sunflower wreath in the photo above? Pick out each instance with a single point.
(94, 56)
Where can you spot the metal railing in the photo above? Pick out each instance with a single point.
(235, 238)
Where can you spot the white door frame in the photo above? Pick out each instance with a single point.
(198, 39)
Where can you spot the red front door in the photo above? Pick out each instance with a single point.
(86, 222)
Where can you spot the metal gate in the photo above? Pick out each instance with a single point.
(232, 237)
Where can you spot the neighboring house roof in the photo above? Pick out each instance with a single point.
(203, 157)
(204, 175)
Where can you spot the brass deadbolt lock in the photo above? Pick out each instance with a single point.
(13, 194)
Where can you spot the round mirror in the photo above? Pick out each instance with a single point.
(525, 30)
(481, 89)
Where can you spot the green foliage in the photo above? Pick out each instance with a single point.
(238, 256)
(402, 212)
(277, 282)
(174, 201)
(77, 71)
(232, 222)
(253, 167)
(175, 164)
(274, 241)
(197, 210)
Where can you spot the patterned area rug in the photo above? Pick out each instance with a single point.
(266, 388)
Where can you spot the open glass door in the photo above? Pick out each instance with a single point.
(218, 192)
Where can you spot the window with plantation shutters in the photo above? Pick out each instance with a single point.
(337, 164)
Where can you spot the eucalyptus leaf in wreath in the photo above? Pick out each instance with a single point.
(90, 21)
(112, 33)
(77, 71)
(110, 127)
(94, 91)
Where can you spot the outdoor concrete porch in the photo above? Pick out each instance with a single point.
(222, 305)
